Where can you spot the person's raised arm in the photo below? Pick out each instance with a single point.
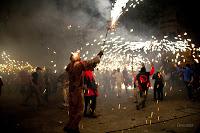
(93, 62)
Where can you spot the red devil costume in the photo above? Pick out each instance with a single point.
(75, 69)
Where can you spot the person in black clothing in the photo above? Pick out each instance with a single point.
(143, 83)
(158, 86)
(1, 84)
(35, 87)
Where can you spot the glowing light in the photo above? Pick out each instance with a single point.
(196, 60)
(131, 30)
(55, 71)
(158, 118)
(119, 106)
(119, 50)
(119, 8)
(13, 66)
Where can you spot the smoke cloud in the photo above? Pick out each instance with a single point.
(28, 28)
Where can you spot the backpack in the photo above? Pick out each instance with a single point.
(89, 83)
(143, 80)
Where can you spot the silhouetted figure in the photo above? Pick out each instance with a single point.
(36, 87)
(158, 86)
(125, 78)
(106, 82)
(188, 79)
(113, 80)
(24, 80)
(119, 81)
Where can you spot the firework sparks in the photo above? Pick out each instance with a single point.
(120, 7)
(13, 66)
(119, 50)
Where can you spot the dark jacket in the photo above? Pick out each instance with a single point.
(143, 78)
(158, 80)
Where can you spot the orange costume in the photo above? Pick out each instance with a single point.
(75, 69)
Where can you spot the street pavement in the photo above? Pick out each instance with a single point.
(175, 114)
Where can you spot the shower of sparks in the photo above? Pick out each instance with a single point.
(117, 10)
(120, 52)
(12, 66)
(120, 7)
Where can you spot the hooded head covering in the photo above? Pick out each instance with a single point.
(75, 56)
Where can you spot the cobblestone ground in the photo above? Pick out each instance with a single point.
(116, 115)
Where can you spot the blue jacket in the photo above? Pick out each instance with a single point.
(187, 74)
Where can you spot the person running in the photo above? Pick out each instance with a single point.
(143, 82)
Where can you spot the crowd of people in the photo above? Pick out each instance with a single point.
(111, 81)
(82, 77)
(34, 88)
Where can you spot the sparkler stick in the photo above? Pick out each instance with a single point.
(107, 30)
(104, 42)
